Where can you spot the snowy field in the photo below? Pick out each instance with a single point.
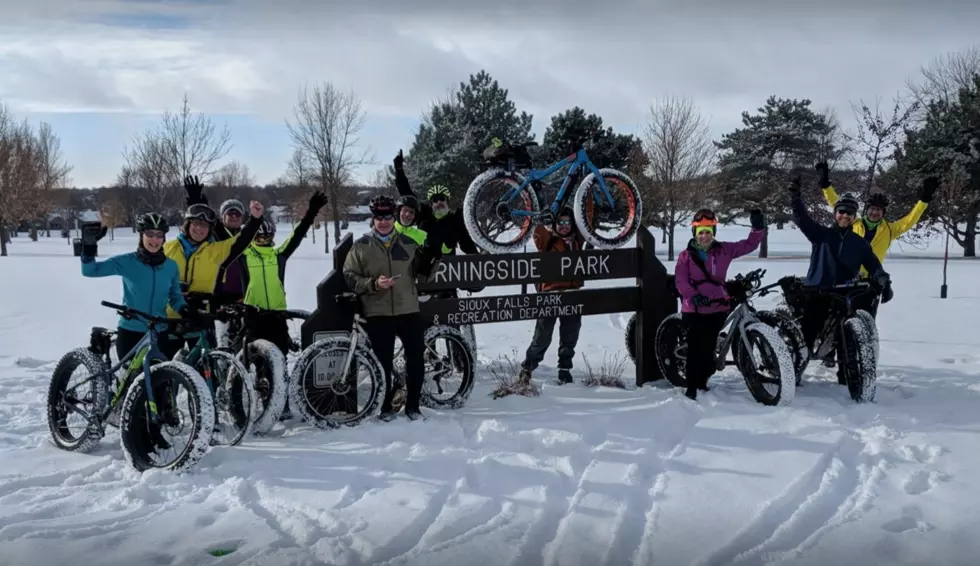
(577, 476)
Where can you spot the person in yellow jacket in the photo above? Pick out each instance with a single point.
(199, 255)
(872, 226)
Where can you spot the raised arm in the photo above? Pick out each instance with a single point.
(750, 244)
(829, 192)
(317, 202)
(91, 267)
(905, 223)
(194, 191)
(801, 217)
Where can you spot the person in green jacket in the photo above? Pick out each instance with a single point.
(263, 267)
(406, 208)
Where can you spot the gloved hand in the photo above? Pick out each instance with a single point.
(929, 186)
(887, 294)
(193, 188)
(191, 315)
(795, 188)
(399, 161)
(700, 301)
(92, 232)
(824, 171)
(317, 201)
(881, 280)
(757, 219)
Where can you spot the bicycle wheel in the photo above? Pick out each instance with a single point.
(322, 397)
(488, 216)
(860, 361)
(235, 399)
(671, 349)
(144, 443)
(769, 376)
(268, 368)
(63, 401)
(593, 212)
(631, 337)
(449, 369)
(872, 326)
(792, 335)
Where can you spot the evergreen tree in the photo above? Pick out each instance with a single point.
(784, 139)
(449, 144)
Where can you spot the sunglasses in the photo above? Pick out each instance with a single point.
(233, 213)
(154, 234)
(384, 217)
(564, 222)
(845, 212)
(438, 198)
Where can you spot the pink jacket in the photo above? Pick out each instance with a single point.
(691, 280)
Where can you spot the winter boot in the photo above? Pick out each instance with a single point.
(564, 376)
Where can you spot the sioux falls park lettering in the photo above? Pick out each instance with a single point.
(517, 307)
(481, 271)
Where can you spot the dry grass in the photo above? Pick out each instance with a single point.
(608, 374)
(505, 371)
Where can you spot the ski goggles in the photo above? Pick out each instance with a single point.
(384, 216)
(200, 212)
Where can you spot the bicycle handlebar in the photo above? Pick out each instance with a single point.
(241, 310)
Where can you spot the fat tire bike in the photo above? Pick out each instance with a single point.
(500, 199)
(742, 333)
(141, 407)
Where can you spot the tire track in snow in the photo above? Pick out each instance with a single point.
(835, 491)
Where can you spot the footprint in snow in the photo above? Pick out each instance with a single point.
(32, 363)
(911, 519)
(922, 481)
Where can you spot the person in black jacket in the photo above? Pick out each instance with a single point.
(444, 227)
(836, 258)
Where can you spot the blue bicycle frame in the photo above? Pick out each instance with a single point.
(142, 356)
(578, 161)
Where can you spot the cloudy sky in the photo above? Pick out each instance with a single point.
(101, 70)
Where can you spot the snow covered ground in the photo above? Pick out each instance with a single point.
(576, 476)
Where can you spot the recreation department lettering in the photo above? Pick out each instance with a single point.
(516, 307)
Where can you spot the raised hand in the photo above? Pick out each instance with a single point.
(256, 209)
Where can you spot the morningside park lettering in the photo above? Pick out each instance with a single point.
(503, 309)
(487, 270)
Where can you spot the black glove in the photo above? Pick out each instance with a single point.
(757, 219)
(824, 171)
(92, 232)
(929, 186)
(317, 201)
(881, 280)
(887, 294)
(700, 301)
(193, 188)
(399, 161)
(795, 188)
(191, 315)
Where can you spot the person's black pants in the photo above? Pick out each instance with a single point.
(702, 337)
(569, 328)
(263, 326)
(410, 329)
(817, 309)
(126, 340)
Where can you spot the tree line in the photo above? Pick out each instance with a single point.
(930, 129)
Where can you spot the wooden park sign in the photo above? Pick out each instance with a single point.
(651, 296)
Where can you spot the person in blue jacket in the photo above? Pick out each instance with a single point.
(836, 258)
(151, 280)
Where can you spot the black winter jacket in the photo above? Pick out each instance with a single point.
(837, 254)
(445, 233)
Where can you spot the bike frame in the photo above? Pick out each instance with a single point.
(140, 357)
(357, 334)
(198, 354)
(826, 338)
(578, 160)
(740, 317)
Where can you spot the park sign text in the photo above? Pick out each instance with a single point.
(480, 310)
(462, 271)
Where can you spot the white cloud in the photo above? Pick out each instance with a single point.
(614, 58)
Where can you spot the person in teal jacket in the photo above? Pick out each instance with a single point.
(151, 280)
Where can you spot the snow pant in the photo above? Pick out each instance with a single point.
(702, 337)
(817, 309)
(126, 340)
(410, 329)
(544, 329)
(269, 327)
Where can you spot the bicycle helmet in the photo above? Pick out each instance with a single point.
(200, 212)
(704, 218)
(267, 229)
(382, 205)
(435, 190)
(151, 221)
(231, 204)
(407, 200)
(846, 203)
(877, 199)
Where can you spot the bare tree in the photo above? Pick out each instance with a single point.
(943, 78)
(878, 137)
(327, 124)
(233, 175)
(20, 175)
(681, 154)
(183, 144)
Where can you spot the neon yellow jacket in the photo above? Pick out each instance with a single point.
(887, 232)
(415, 233)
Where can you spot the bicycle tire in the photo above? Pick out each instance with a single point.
(630, 338)
(860, 361)
(60, 378)
(471, 219)
(580, 206)
(364, 358)
(134, 414)
(792, 335)
(265, 357)
(237, 381)
(769, 339)
(462, 394)
(872, 326)
(670, 332)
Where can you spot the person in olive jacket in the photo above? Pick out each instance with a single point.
(382, 267)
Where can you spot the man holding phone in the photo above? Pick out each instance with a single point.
(382, 267)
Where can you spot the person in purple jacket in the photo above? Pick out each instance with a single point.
(700, 274)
